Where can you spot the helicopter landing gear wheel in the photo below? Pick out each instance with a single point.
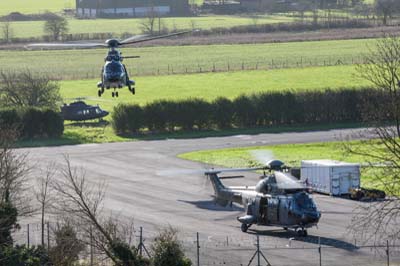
(244, 227)
(99, 93)
(116, 94)
(302, 232)
(133, 90)
(112, 94)
(102, 90)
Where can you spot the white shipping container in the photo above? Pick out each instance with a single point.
(330, 177)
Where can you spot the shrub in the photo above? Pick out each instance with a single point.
(168, 251)
(33, 122)
(67, 248)
(222, 113)
(24, 256)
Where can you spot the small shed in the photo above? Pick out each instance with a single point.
(330, 177)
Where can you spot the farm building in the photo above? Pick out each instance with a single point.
(131, 8)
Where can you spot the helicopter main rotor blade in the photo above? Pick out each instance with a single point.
(64, 45)
(134, 38)
(157, 37)
(132, 56)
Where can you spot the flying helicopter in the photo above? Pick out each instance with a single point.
(278, 199)
(80, 111)
(113, 74)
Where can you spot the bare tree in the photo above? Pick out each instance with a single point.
(7, 31)
(379, 220)
(83, 201)
(26, 89)
(56, 26)
(149, 23)
(386, 8)
(13, 173)
(43, 194)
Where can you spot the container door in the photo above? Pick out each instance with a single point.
(345, 183)
(335, 189)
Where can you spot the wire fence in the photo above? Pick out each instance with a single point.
(210, 67)
(273, 248)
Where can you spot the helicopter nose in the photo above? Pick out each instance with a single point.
(311, 217)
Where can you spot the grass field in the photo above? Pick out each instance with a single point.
(291, 154)
(84, 64)
(34, 6)
(26, 29)
(212, 85)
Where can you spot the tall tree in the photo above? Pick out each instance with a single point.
(56, 26)
(26, 89)
(386, 8)
(7, 31)
(381, 149)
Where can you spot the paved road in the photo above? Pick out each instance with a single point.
(136, 188)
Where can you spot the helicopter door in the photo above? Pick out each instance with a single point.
(260, 205)
(273, 211)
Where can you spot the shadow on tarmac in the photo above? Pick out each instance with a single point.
(325, 241)
(211, 205)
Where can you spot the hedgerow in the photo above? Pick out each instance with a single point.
(255, 110)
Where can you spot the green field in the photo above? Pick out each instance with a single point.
(291, 154)
(228, 84)
(26, 29)
(34, 6)
(84, 64)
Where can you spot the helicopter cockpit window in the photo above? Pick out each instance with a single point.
(304, 201)
(113, 68)
(98, 111)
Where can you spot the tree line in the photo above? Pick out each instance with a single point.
(266, 109)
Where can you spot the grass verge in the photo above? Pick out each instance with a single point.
(291, 154)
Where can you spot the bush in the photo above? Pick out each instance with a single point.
(24, 256)
(222, 113)
(167, 250)
(127, 118)
(32, 122)
(67, 248)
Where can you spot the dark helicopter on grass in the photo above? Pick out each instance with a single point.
(113, 74)
(80, 111)
(278, 199)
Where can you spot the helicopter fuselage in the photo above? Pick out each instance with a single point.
(114, 74)
(286, 205)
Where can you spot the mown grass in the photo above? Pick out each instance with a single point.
(206, 86)
(83, 64)
(28, 29)
(34, 6)
(209, 86)
(291, 154)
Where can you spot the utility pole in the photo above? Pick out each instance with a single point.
(28, 235)
(141, 246)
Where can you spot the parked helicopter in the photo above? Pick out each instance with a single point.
(113, 74)
(80, 111)
(277, 200)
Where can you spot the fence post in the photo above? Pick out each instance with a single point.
(140, 241)
(28, 235)
(91, 246)
(320, 251)
(48, 235)
(387, 253)
(258, 251)
(198, 250)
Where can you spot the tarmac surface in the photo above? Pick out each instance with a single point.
(141, 185)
